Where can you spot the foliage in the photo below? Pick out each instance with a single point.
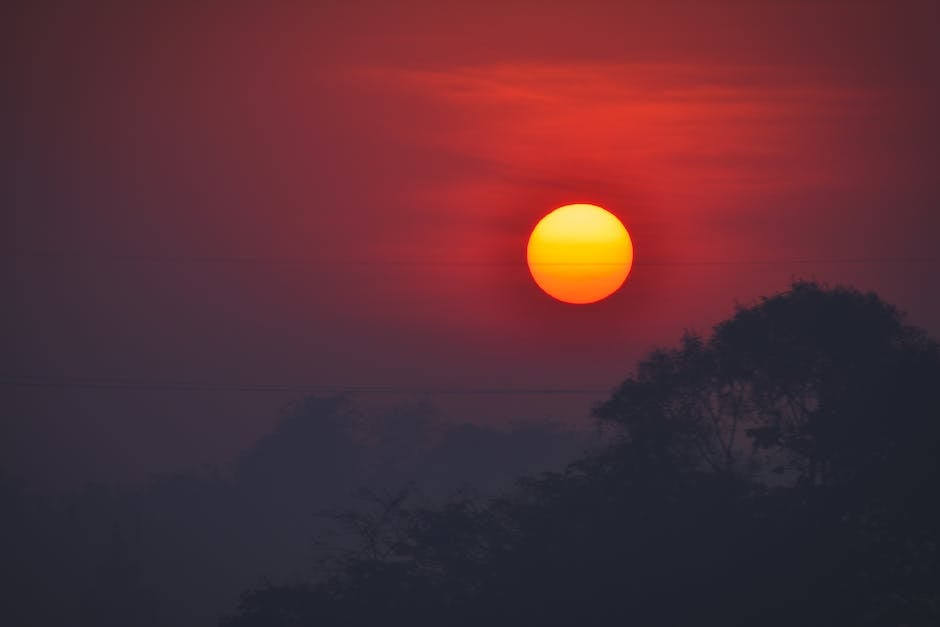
(781, 472)
(178, 550)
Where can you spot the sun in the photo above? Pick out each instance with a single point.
(579, 253)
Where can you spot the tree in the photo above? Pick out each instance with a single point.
(779, 472)
(815, 384)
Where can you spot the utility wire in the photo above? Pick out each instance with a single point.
(203, 386)
(197, 386)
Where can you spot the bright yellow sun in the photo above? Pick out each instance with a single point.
(580, 253)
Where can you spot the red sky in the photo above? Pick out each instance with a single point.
(339, 194)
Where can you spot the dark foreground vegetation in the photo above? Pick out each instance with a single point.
(783, 472)
(178, 550)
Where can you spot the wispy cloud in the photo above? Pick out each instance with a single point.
(673, 127)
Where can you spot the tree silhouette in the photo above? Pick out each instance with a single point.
(819, 384)
(779, 472)
(179, 549)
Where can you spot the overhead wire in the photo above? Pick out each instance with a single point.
(206, 386)
(23, 381)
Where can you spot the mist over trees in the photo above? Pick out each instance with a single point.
(782, 471)
(179, 550)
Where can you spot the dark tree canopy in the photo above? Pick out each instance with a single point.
(781, 472)
(818, 385)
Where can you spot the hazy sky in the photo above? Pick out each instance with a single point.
(339, 195)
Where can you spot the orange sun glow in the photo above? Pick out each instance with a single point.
(579, 253)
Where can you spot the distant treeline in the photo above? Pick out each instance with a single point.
(782, 472)
(177, 551)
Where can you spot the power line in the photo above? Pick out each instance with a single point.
(204, 386)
